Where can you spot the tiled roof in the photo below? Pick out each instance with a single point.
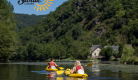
(94, 47)
(115, 48)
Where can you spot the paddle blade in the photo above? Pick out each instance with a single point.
(89, 64)
(60, 72)
(67, 69)
(61, 68)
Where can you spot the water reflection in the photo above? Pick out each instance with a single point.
(95, 68)
(54, 76)
(36, 71)
(70, 78)
(59, 78)
(51, 75)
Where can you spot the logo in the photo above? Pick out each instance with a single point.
(38, 6)
(46, 3)
(28, 2)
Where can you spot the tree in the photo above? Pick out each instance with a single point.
(7, 30)
(128, 55)
(5, 41)
(103, 51)
(107, 52)
(77, 31)
(48, 52)
(59, 51)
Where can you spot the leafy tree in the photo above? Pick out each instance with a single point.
(59, 51)
(7, 30)
(92, 14)
(128, 55)
(107, 52)
(5, 41)
(77, 31)
(49, 52)
(136, 51)
(103, 51)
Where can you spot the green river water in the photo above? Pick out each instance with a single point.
(103, 70)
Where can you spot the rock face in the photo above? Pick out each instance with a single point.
(95, 21)
(78, 5)
(99, 31)
(90, 1)
(79, 2)
(96, 5)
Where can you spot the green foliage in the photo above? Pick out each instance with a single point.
(7, 30)
(73, 27)
(128, 55)
(5, 41)
(136, 51)
(59, 51)
(128, 51)
(24, 20)
(77, 31)
(92, 14)
(121, 46)
(107, 52)
(103, 51)
(49, 52)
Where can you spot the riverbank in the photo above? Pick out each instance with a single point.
(68, 59)
(48, 60)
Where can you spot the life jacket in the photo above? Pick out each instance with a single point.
(77, 68)
(51, 64)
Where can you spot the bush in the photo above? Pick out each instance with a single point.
(128, 55)
(107, 52)
(103, 51)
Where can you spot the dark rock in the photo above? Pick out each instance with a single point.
(90, 1)
(96, 5)
(79, 2)
(99, 31)
(78, 7)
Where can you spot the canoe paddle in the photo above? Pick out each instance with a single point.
(89, 64)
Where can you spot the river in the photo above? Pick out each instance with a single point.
(104, 70)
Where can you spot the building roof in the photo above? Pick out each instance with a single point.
(95, 47)
(128, 45)
(115, 48)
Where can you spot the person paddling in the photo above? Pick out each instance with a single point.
(77, 68)
(52, 64)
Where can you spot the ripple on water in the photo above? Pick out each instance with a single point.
(117, 68)
(43, 72)
(109, 78)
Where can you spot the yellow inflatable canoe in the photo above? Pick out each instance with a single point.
(51, 69)
(67, 73)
